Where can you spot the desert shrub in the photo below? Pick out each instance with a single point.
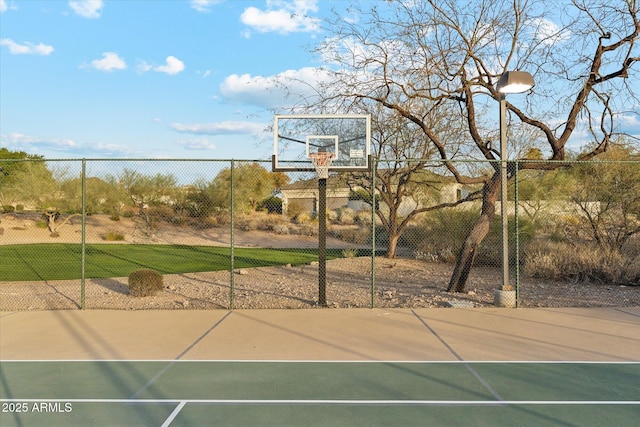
(41, 224)
(308, 230)
(281, 229)
(363, 218)
(439, 236)
(203, 223)
(19, 207)
(583, 263)
(7, 209)
(294, 209)
(490, 252)
(355, 235)
(114, 217)
(349, 253)
(221, 217)
(345, 216)
(164, 213)
(127, 214)
(271, 204)
(259, 221)
(143, 283)
(303, 218)
(246, 222)
(178, 220)
(113, 236)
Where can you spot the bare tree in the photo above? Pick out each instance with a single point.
(404, 185)
(413, 57)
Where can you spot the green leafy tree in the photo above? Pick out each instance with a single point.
(22, 176)
(145, 191)
(252, 183)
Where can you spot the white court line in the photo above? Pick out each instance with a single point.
(352, 402)
(425, 362)
(174, 414)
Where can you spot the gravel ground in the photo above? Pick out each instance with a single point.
(399, 283)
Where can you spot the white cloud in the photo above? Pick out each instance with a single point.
(172, 66)
(196, 144)
(110, 61)
(87, 8)
(283, 17)
(629, 122)
(27, 48)
(220, 128)
(4, 6)
(203, 5)
(279, 91)
(50, 146)
(144, 66)
(19, 141)
(547, 32)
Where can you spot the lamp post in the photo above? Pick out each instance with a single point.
(510, 82)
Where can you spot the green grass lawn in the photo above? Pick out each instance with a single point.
(60, 261)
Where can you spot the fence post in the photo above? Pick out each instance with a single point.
(373, 231)
(516, 184)
(231, 237)
(83, 180)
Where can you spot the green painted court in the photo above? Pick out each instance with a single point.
(446, 367)
(183, 393)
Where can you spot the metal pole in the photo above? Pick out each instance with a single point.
(322, 242)
(373, 231)
(231, 238)
(516, 201)
(504, 195)
(84, 233)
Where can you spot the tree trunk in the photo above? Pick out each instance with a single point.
(393, 245)
(476, 235)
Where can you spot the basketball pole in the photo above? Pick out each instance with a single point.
(322, 242)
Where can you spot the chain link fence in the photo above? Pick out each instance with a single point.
(231, 234)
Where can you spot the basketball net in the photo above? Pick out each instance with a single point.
(321, 161)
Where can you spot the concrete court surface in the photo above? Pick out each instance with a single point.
(446, 334)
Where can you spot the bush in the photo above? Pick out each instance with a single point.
(7, 209)
(160, 213)
(355, 235)
(345, 216)
(143, 283)
(112, 236)
(294, 209)
(581, 264)
(440, 234)
(303, 218)
(271, 204)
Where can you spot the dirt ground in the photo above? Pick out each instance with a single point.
(401, 282)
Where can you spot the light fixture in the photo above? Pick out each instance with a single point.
(515, 82)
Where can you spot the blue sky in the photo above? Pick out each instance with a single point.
(145, 78)
(158, 78)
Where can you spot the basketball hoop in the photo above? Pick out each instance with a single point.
(321, 161)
